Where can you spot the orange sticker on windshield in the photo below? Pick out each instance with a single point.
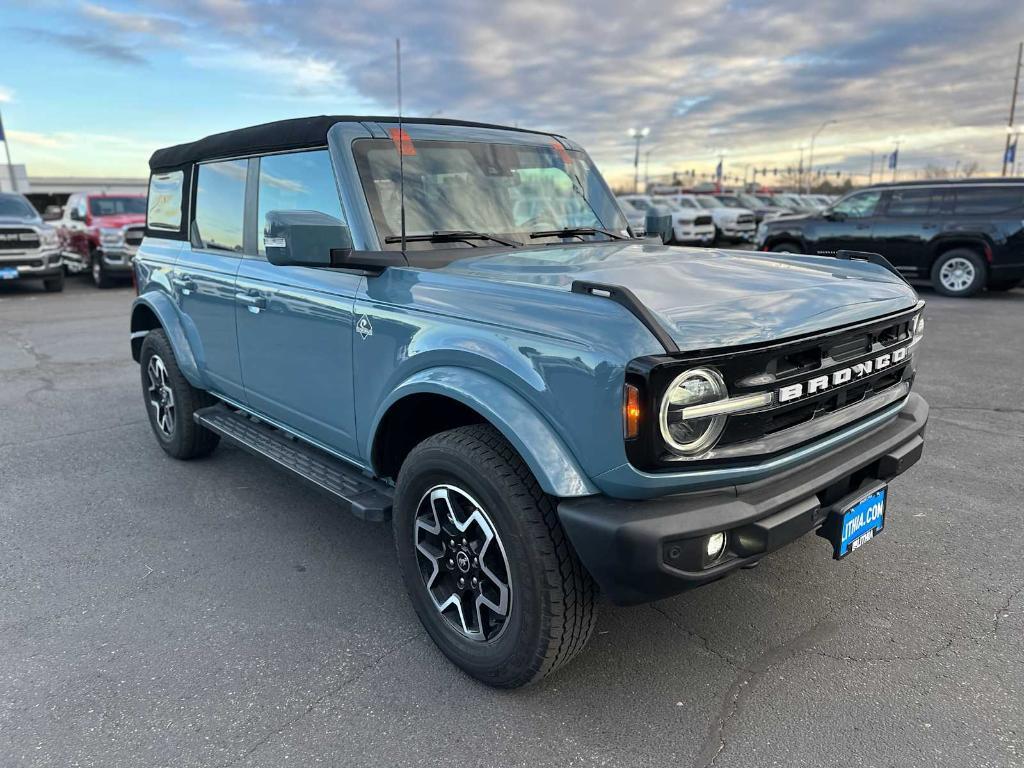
(402, 142)
(561, 152)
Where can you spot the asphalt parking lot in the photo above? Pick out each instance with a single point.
(219, 613)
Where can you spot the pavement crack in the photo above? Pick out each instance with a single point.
(703, 641)
(333, 690)
(1004, 608)
(932, 654)
(108, 428)
(718, 736)
(981, 408)
(976, 427)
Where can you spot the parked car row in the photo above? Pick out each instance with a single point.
(963, 236)
(96, 233)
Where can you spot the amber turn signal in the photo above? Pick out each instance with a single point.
(631, 411)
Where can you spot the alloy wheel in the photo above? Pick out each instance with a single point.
(161, 396)
(463, 563)
(957, 274)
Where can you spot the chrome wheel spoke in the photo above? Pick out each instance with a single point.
(161, 395)
(462, 562)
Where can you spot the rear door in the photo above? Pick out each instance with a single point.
(203, 279)
(295, 323)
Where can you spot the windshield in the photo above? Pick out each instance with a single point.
(707, 202)
(749, 201)
(113, 206)
(729, 202)
(17, 207)
(685, 202)
(507, 190)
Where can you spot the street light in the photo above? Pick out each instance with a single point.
(810, 159)
(637, 134)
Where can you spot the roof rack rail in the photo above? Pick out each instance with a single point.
(626, 298)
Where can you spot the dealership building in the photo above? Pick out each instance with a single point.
(45, 192)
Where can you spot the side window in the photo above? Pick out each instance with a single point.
(220, 204)
(69, 206)
(300, 181)
(988, 200)
(860, 205)
(165, 194)
(913, 202)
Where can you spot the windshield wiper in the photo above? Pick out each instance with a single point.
(577, 232)
(451, 235)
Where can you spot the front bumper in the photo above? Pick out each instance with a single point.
(32, 265)
(117, 259)
(745, 231)
(629, 547)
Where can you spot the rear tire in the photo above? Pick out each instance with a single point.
(549, 607)
(787, 248)
(1003, 285)
(54, 284)
(959, 273)
(171, 401)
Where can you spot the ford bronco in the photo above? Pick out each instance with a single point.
(448, 325)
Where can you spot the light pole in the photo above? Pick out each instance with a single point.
(638, 135)
(810, 158)
(647, 167)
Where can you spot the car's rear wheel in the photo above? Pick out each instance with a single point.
(492, 576)
(171, 401)
(787, 248)
(959, 272)
(54, 284)
(1003, 285)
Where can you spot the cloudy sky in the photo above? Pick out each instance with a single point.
(91, 88)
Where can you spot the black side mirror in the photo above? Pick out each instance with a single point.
(76, 215)
(305, 239)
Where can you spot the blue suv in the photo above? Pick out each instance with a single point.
(449, 325)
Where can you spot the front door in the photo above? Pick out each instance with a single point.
(846, 226)
(911, 218)
(204, 275)
(295, 323)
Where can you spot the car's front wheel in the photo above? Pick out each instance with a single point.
(959, 272)
(492, 576)
(171, 401)
(786, 248)
(100, 276)
(54, 284)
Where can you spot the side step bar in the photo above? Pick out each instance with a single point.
(368, 499)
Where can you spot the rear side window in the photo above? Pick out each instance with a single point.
(913, 202)
(220, 204)
(989, 200)
(165, 195)
(300, 181)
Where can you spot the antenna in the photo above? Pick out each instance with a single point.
(401, 138)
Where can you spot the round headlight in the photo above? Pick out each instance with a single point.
(695, 435)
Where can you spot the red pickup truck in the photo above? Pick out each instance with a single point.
(100, 232)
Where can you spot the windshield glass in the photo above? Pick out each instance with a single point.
(729, 202)
(707, 202)
(16, 207)
(114, 206)
(507, 190)
(685, 202)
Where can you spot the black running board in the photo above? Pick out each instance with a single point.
(368, 499)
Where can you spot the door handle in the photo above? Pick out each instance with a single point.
(253, 301)
(185, 282)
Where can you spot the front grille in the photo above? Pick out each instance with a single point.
(777, 367)
(702, 221)
(18, 239)
(745, 219)
(133, 236)
(20, 263)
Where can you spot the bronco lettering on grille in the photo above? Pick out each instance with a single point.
(841, 376)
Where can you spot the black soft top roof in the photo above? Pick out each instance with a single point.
(279, 136)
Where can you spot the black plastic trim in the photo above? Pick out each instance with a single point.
(626, 298)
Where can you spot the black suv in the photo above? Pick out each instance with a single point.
(962, 235)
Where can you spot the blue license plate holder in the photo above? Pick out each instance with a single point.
(8, 273)
(854, 524)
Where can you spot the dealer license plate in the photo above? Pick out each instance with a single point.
(8, 273)
(859, 523)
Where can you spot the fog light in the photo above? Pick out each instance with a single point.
(715, 545)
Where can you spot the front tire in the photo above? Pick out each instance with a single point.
(468, 508)
(100, 276)
(786, 248)
(171, 401)
(959, 273)
(54, 284)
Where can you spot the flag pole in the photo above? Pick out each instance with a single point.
(7, 149)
